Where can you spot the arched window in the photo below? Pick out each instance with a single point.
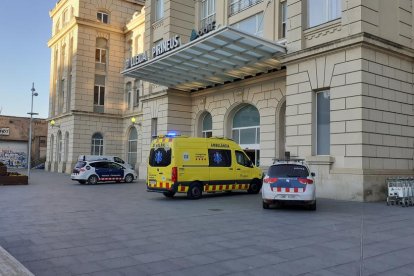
(207, 128)
(97, 144)
(246, 131)
(128, 95)
(59, 142)
(66, 152)
(132, 146)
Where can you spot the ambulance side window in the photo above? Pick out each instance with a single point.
(219, 158)
(242, 159)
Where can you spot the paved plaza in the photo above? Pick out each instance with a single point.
(57, 227)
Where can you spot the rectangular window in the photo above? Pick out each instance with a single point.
(208, 12)
(237, 6)
(252, 25)
(136, 100)
(283, 18)
(100, 55)
(159, 9)
(102, 17)
(219, 158)
(321, 11)
(323, 120)
(99, 95)
(154, 127)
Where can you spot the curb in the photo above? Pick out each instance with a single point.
(9, 266)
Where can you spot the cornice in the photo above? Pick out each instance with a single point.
(57, 8)
(84, 22)
(361, 39)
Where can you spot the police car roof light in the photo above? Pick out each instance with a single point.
(171, 134)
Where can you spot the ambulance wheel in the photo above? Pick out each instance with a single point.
(195, 191)
(81, 181)
(129, 178)
(266, 205)
(92, 180)
(254, 187)
(169, 194)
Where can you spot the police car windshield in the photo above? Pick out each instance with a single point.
(288, 170)
(160, 157)
(80, 164)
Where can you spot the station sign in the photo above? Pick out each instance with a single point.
(158, 50)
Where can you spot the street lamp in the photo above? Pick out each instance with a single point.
(30, 131)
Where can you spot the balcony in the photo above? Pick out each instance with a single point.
(241, 5)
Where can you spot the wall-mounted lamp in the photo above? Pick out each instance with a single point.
(53, 124)
(134, 121)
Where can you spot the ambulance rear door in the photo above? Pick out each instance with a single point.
(221, 168)
(160, 164)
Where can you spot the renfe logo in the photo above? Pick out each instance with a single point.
(5, 131)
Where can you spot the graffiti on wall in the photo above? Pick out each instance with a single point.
(13, 155)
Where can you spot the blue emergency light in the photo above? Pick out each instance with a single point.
(171, 134)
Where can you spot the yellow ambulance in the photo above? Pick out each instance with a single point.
(181, 164)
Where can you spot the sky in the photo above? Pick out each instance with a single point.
(25, 28)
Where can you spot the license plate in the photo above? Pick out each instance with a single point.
(285, 196)
(153, 182)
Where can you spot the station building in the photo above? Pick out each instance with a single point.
(330, 81)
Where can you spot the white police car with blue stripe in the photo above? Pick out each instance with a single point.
(92, 172)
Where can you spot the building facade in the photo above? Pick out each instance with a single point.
(14, 138)
(330, 81)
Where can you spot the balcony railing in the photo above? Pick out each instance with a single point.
(241, 5)
(208, 20)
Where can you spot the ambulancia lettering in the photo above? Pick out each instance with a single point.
(220, 145)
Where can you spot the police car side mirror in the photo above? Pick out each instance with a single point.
(313, 174)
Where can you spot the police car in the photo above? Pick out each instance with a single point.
(92, 172)
(289, 181)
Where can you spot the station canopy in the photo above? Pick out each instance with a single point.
(221, 56)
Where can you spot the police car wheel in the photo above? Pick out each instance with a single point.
(129, 178)
(254, 187)
(195, 191)
(92, 180)
(312, 207)
(266, 205)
